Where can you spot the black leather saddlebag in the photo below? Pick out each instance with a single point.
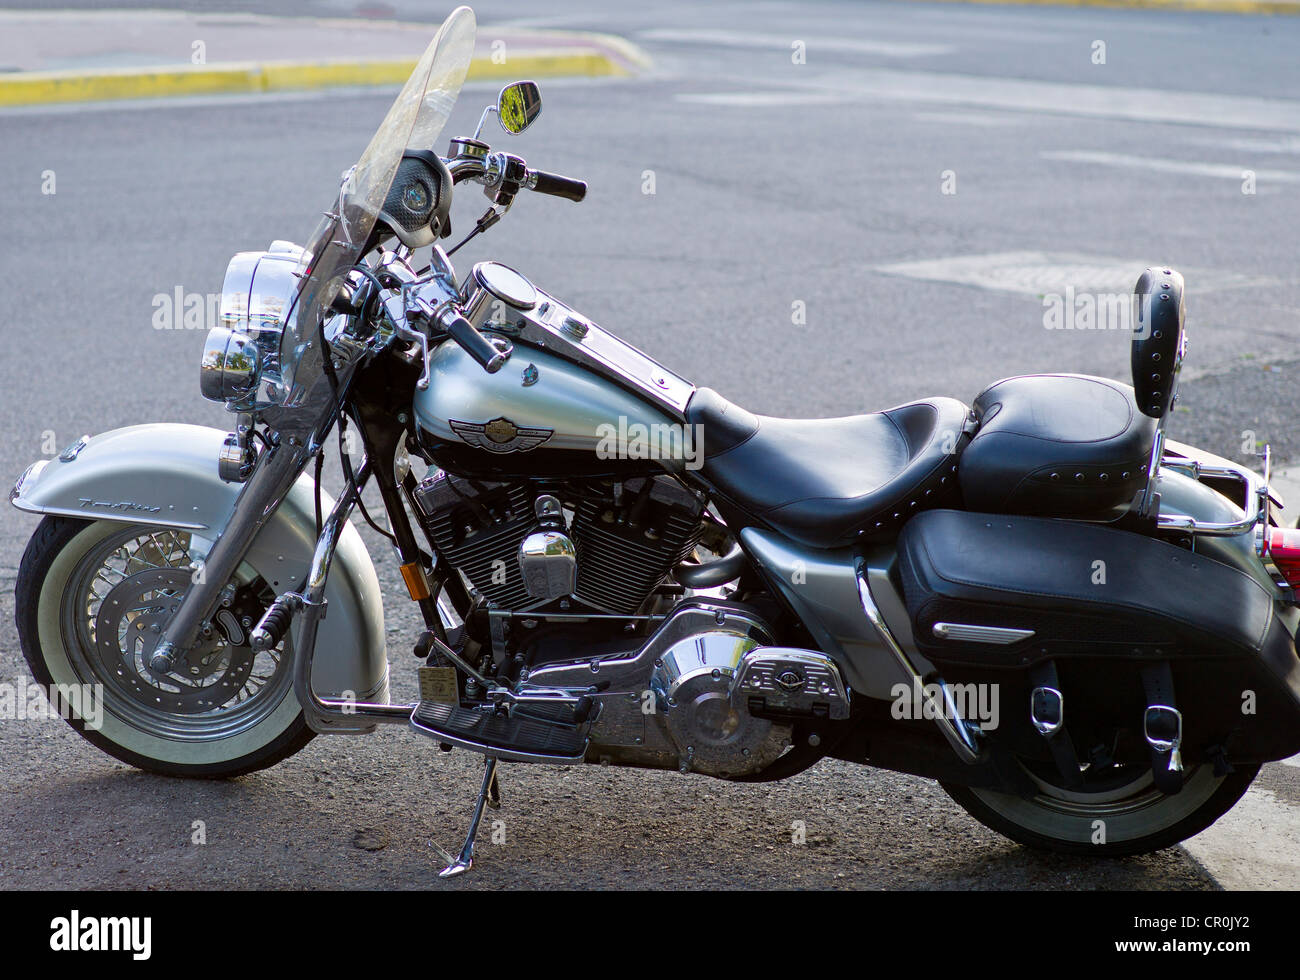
(1102, 603)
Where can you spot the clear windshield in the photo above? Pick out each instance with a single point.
(414, 121)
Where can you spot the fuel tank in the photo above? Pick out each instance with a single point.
(541, 415)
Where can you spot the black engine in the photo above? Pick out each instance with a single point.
(627, 535)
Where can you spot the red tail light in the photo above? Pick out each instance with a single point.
(1283, 547)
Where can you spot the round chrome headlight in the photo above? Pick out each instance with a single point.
(257, 295)
(230, 366)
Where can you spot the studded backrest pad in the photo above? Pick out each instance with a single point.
(1158, 314)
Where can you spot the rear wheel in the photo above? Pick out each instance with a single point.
(1117, 812)
(92, 601)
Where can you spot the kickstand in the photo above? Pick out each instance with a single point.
(489, 794)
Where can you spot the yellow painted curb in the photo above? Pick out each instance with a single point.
(42, 87)
(1286, 7)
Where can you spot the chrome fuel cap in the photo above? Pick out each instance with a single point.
(505, 284)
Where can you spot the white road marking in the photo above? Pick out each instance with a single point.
(961, 33)
(1252, 846)
(740, 39)
(753, 99)
(1286, 481)
(971, 118)
(1184, 167)
(1040, 273)
(1090, 20)
(1293, 761)
(1061, 98)
(1284, 144)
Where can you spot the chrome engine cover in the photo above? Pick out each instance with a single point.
(548, 562)
(683, 699)
(714, 733)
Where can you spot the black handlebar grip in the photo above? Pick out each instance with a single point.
(560, 186)
(475, 344)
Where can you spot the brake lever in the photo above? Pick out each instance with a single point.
(409, 302)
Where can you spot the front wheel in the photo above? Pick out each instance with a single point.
(92, 600)
(1115, 813)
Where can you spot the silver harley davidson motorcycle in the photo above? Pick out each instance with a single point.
(762, 594)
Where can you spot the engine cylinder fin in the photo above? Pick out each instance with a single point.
(477, 527)
(619, 563)
(626, 542)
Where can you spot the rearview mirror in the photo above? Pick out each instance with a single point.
(518, 105)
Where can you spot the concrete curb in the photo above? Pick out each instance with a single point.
(1285, 7)
(608, 56)
(43, 87)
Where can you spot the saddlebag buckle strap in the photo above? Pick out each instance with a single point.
(1047, 713)
(1047, 710)
(1162, 727)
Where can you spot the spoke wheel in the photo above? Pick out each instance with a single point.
(123, 594)
(93, 601)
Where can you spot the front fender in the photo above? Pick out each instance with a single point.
(165, 474)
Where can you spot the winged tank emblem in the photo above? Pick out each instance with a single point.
(500, 435)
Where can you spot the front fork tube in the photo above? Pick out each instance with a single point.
(256, 502)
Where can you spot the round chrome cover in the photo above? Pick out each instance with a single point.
(713, 730)
(505, 284)
(548, 561)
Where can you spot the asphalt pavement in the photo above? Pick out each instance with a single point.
(918, 180)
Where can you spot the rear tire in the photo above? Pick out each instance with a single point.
(1129, 823)
(56, 561)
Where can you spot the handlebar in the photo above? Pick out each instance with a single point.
(506, 174)
(557, 185)
(474, 161)
(448, 318)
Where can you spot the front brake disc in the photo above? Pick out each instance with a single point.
(129, 627)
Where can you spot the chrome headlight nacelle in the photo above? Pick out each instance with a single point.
(241, 358)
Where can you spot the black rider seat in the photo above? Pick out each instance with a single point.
(828, 482)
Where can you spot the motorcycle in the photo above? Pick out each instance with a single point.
(614, 566)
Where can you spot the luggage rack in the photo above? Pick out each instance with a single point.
(1258, 500)
(1153, 317)
(1255, 490)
